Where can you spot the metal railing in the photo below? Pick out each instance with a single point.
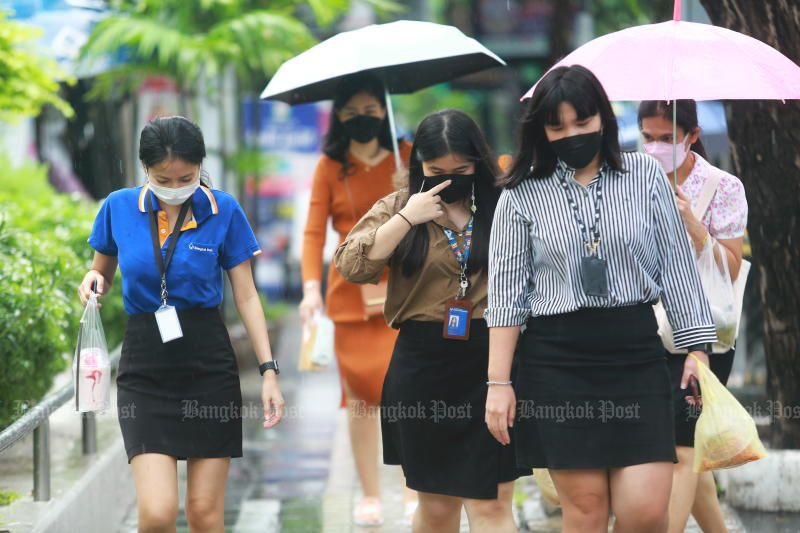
(37, 420)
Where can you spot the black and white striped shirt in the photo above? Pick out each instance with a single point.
(536, 249)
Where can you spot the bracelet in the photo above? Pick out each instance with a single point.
(498, 383)
(404, 218)
(703, 242)
(310, 284)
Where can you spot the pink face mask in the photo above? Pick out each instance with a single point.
(663, 152)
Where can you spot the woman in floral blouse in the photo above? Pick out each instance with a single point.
(724, 222)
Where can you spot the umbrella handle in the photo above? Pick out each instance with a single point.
(390, 113)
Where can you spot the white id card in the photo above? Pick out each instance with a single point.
(168, 323)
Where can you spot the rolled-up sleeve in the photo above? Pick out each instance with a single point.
(510, 266)
(350, 257)
(681, 290)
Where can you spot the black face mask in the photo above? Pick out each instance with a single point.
(458, 190)
(363, 128)
(579, 150)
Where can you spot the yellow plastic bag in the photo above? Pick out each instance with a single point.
(545, 484)
(725, 435)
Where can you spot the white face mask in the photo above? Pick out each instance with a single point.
(174, 196)
(663, 152)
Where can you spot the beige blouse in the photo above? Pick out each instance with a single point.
(423, 295)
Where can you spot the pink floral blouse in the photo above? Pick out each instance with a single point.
(726, 217)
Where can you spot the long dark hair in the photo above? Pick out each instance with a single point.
(451, 132)
(578, 86)
(336, 142)
(173, 137)
(685, 117)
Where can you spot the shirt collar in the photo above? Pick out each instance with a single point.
(203, 202)
(444, 221)
(562, 169)
(700, 167)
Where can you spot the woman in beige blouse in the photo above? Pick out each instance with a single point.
(434, 236)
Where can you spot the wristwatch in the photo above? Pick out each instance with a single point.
(269, 365)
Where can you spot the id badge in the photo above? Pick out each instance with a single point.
(168, 324)
(594, 276)
(457, 318)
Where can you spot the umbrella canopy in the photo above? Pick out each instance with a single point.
(686, 60)
(679, 60)
(406, 55)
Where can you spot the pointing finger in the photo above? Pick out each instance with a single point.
(435, 190)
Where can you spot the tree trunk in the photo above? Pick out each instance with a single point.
(765, 136)
(560, 31)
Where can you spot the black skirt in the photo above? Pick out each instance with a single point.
(181, 398)
(432, 414)
(686, 415)
(593, 391)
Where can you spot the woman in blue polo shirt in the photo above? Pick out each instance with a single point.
(178, 377)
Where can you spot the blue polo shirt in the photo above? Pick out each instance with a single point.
(216, 238)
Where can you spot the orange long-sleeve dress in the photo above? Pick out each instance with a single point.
(363, 347)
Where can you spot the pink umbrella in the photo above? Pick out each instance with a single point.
(685, 60)
(682, 60)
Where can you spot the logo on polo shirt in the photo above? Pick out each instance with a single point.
(201, 248)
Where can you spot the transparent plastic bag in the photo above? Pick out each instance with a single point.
(725, 435)
(91, 366)
(723, 300)
(316, 349)
(717, 285)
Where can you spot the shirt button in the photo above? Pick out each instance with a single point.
(163, 230)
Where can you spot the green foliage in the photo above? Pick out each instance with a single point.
(43, 257)
(7, 497)
(185, 40)
(274, 311)
(613, 15)
(412, 108)
(29, 80)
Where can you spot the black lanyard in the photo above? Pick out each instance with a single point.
(161, 263)
(591, 237)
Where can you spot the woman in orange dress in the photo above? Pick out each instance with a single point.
(357, 169)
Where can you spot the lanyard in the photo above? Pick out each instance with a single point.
(591, 237)
(161, 263)
(461, 257)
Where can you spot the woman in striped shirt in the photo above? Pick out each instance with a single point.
(584, 240)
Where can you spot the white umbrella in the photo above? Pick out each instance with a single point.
(407, 55)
